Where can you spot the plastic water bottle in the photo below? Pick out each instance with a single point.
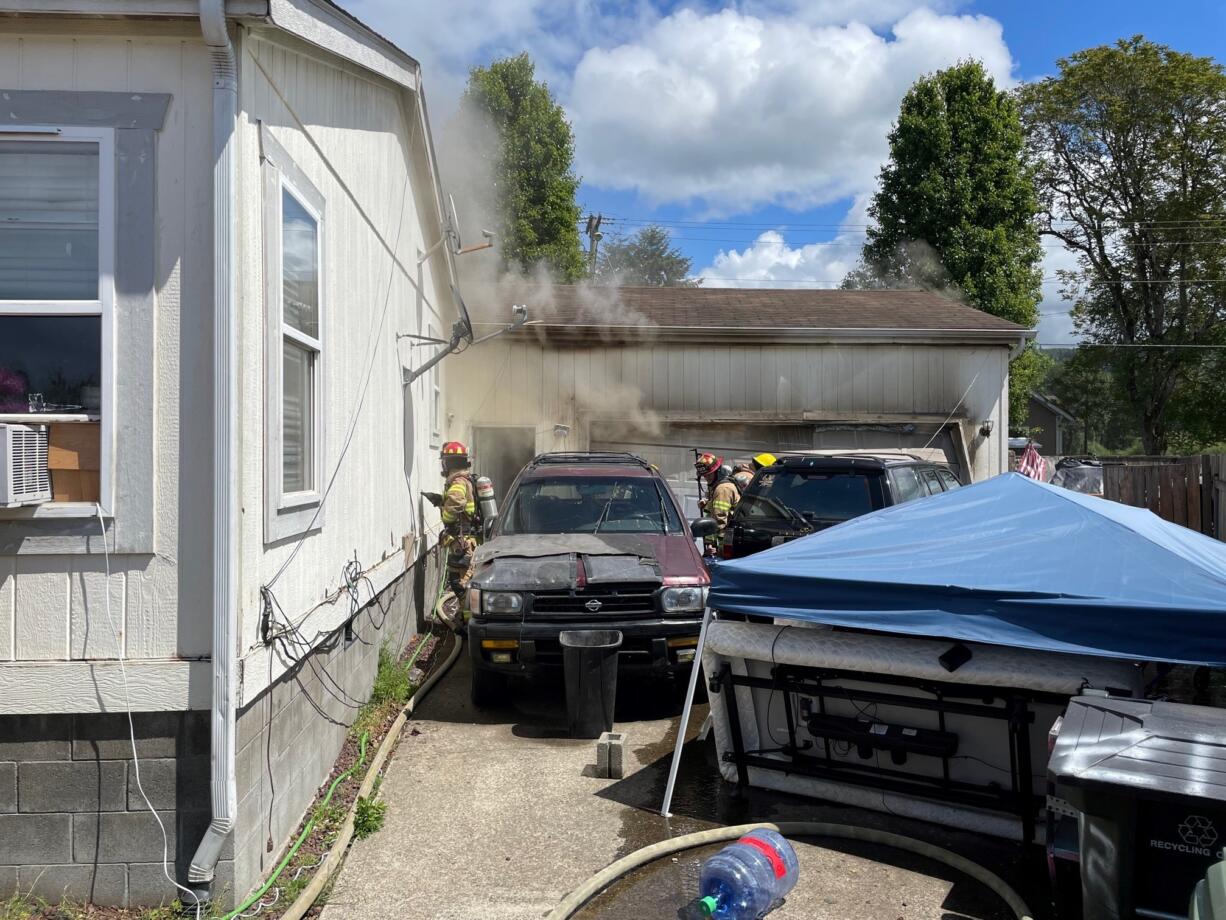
(745, 879)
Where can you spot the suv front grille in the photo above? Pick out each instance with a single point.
(613, 600)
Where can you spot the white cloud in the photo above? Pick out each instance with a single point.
(739, 110)
(770, 261)
(451, 37)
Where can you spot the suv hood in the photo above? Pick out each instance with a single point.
(543, 561)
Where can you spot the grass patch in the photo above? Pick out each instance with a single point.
(368, 817)
(391, 691)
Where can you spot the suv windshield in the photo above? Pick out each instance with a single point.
(589, 504)
(811, 497)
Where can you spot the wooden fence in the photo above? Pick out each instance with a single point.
(1188, 490)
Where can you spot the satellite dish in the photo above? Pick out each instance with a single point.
(464, 325)
(454, 220)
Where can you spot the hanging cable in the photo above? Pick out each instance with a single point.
(127, 697)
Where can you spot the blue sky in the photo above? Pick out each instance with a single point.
(754, 130)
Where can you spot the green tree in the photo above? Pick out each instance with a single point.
(534, 184)
(1129, 146)
(647, 258)
(954, 212)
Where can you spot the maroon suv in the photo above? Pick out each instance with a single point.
(592, 540)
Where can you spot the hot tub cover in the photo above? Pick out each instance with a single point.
(1009, 561)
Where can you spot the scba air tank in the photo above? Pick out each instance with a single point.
(485, 498)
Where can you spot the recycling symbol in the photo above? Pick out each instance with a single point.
(1198, 831)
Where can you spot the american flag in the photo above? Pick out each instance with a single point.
(1032, 465)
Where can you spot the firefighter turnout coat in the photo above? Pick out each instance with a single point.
(724, 497)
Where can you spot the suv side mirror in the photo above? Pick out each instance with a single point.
(704, 527)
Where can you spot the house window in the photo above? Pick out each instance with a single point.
(295, 234)
(57, 255)
(301, 348)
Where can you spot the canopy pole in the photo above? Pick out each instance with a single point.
(685, 714)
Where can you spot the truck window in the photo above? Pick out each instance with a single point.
(906, 485)
(932, 482)
(808, 497)
(949, 480)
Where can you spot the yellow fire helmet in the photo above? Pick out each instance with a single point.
(764, 460)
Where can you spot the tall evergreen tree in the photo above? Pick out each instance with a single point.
(955, 209)
(534, 184)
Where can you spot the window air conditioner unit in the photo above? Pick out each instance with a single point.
(24, 479)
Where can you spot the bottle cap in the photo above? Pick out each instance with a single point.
(707, 905)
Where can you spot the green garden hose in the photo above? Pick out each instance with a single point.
(293, 851)
(571, 904)
(310, 825)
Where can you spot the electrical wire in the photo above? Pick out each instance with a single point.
(127, 696)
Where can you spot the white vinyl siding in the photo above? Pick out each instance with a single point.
(57, 267)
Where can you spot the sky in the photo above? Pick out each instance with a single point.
(754, 130)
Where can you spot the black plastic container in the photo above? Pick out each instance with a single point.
(589, 661)
(1149, 779)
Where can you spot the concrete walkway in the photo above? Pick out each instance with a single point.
(491, 817)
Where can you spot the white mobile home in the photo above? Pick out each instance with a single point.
(217, 220)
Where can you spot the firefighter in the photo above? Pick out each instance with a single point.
(763, 460)
(461, 517)
(722, 497)
(742, 475)
(745, 470)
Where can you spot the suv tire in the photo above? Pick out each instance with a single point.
(487, 688)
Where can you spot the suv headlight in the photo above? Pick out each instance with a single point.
(683, 599)
(501, 603)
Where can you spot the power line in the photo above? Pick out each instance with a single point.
(1094, 281)
(1196, 223)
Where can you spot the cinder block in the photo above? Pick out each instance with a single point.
(122, 837)
(149, 887)
(8, 787)
(72, 786)
(610, 755)
(35, 737)
(182, 783)
(105, 736)
(8, 882)
(35, 839)
(253, 721)
(104, 885)
(196, 731)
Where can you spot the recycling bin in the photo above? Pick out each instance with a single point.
(1148, 779)
(589, 665)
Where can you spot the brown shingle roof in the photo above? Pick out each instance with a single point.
(703, 308)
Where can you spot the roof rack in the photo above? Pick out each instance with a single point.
(868, 453)
(596, 456)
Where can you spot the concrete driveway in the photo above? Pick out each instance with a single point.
(492, 816)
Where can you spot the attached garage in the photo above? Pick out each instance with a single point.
(664, 371)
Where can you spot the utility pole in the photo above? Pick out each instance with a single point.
(594, 236)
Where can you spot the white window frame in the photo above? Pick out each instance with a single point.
(290, 514)
(312, 495)
(103, 306)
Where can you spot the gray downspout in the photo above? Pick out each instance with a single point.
(223, 789)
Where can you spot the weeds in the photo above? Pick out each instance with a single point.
(368, 817)
(391, 691)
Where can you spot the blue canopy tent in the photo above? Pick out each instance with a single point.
(1009, 561)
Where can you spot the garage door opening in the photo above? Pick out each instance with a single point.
(672, 448)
